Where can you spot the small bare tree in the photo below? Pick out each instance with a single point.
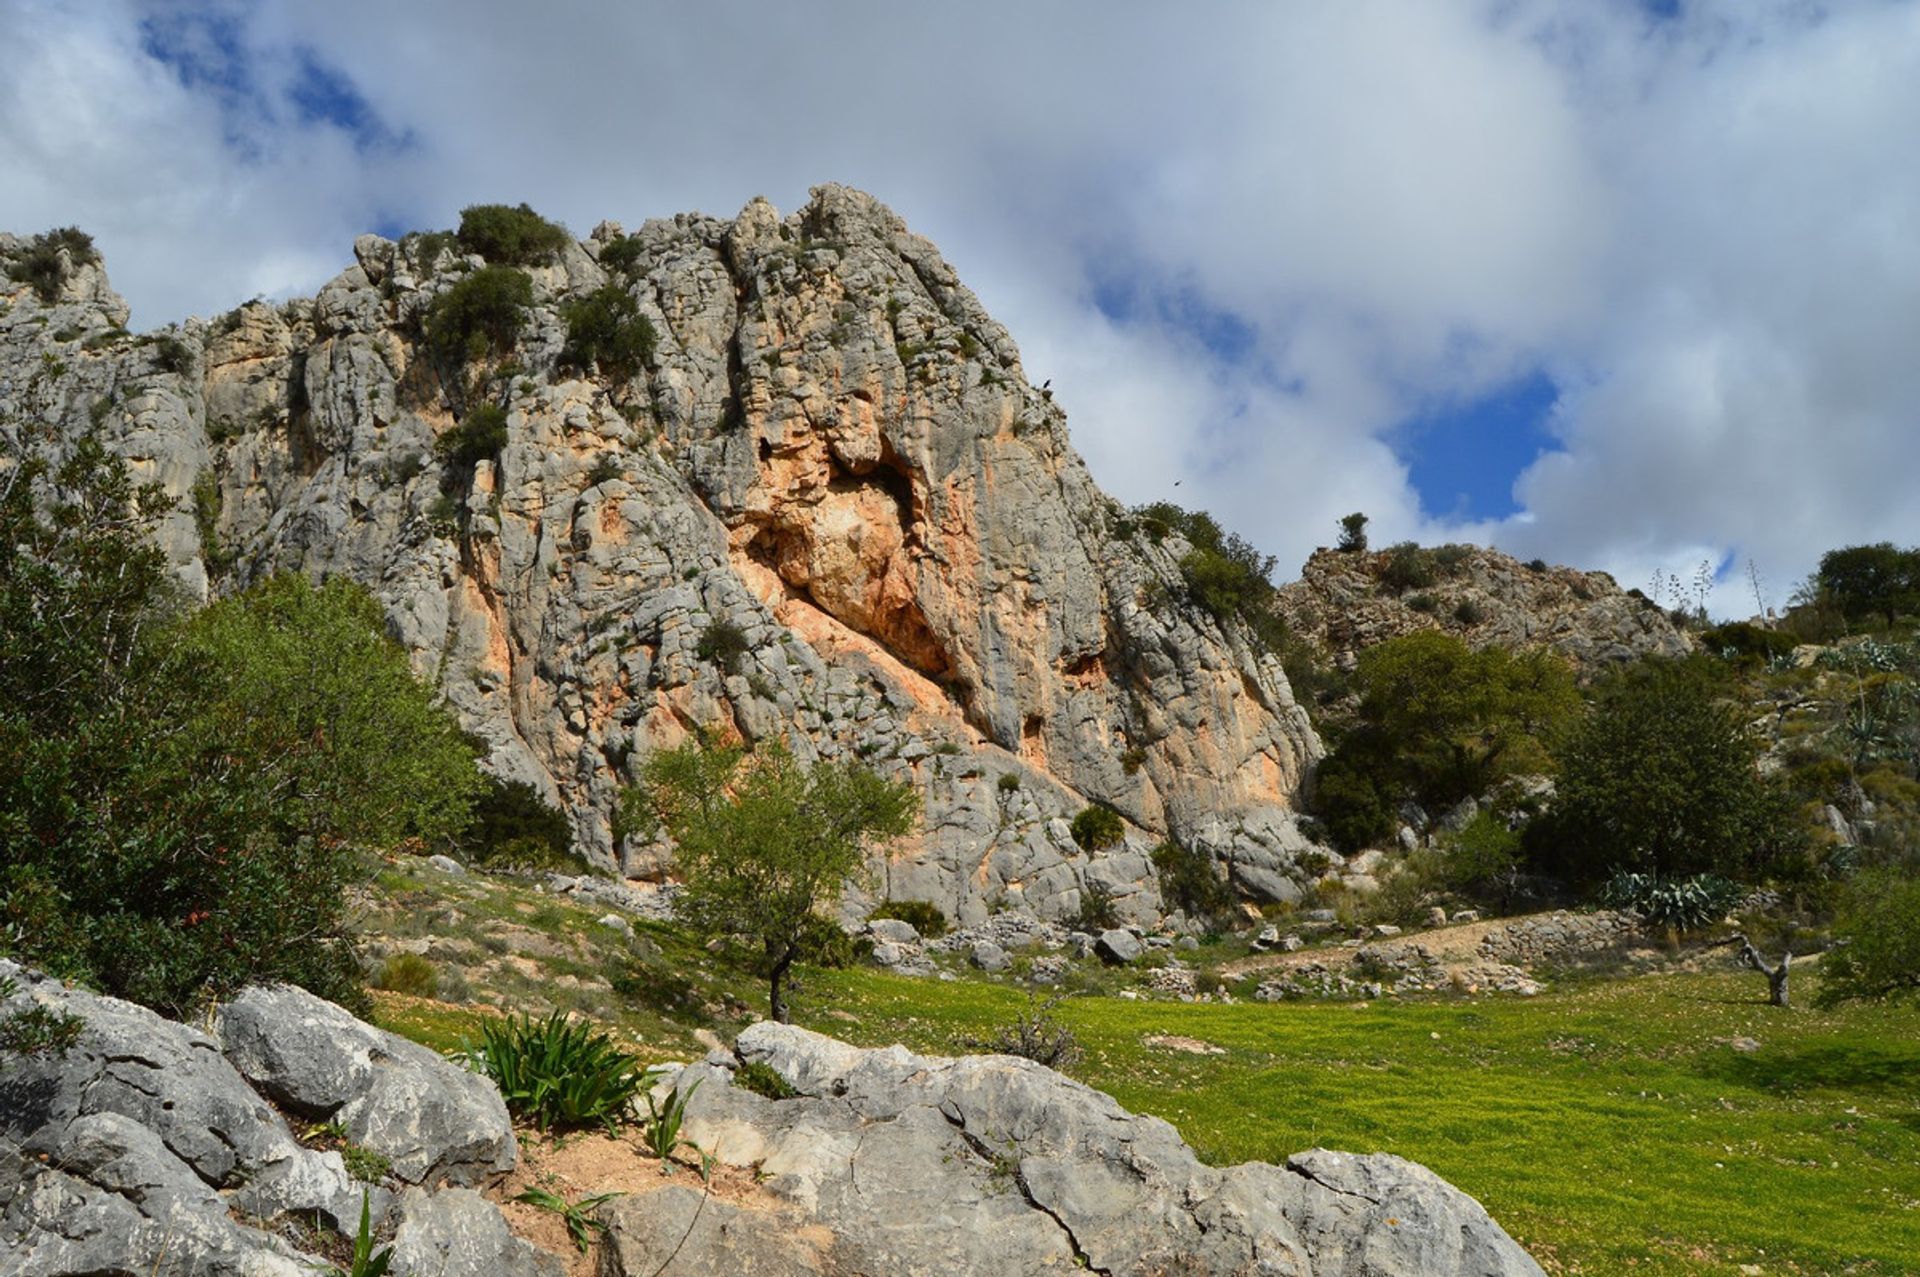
(1776, 975)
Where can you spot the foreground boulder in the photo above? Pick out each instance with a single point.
(893, 1163)
(143, 1149)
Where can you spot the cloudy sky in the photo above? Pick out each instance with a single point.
(1632, 285)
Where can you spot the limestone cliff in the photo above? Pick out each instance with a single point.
(833, 454)
(1345, 602)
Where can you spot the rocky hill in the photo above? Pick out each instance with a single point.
(826, 504)
(1346, 601)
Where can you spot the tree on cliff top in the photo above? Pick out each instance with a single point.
(764, 843)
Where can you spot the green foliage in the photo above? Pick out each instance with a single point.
(1189, 883)
(366, 1261)
(408, 973)
(1660, 779)
(1438, 722)
(581, 1225)
(181, 799)
(622, 254)
(1469, 612)
(35, 1029)
(479, 436)
(1008, 782)
(763, 843)
(558, 1075)
(1878, 930)
(1744, 641)
(42, 266)
(514, 827)
(481, 315)
(206, 522)
(758, 1076)
(170, 354)
(606, 468)
(660, 1133)
(1483, 857)
(723, 643)
(1096, 828)
(1872, 580)
(1353, 534)
(1408, 567)
(1683, 904)
(1097, 912)
(1222, 571)
(922, 915)
(507, 235)
(364, 1164)
(605, 328)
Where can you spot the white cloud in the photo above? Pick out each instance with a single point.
(1706, 227)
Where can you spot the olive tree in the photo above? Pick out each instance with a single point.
(763, 843)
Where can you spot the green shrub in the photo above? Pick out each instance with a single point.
(1424, 602)
(1132, 759)
(922, 915)
(606, 468)
(34, 1029)
(480, 315)
(408, 973)
(1469, 612)
(507, 235)
(1451, 559)
(1097, 913)
(1008, 782)
(364, 1164)
(758, 1076)
(1742, 640)
(1353, 534)
(184, 799)
(825, 943)
(479, 436)
(1536, 565)
(1189, 883)
(170, 354)
(1684, 904)
(606, 329)
(1408, 567)
(1349, 804)
(1879, 931)
(1097, 828)
(723, 643)
(1036, 1034)
(514, 827)
(558, 1075)
(41, 266)
(622, 254)
(1223, 572)
(1482, 857)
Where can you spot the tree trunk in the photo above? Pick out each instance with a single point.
(1776, 976)
(776, 998)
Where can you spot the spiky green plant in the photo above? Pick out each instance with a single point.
(580, 1225)
(557, 1074)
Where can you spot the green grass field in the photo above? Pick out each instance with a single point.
(1610, 1125)
(1611, 1128)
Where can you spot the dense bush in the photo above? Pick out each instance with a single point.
(758, 1076)
(1879, 931)
(479, 436)
(1222, 571)
(507, 235)
(514, 827)
(622, 254)
(1482, 858)
(1408, 567)
(1872, 580)
(922, 915)
(479, 316)
(558, 1075)
(606, 329)
(1353, 534)
(41, 264)
(1742, 640)
(1188, 881)
(182, 800)
(1438, 722)
(1661, 779)
(1096, 828)
(408, 973)
(723, 643)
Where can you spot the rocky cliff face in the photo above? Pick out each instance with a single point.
(833, 455)
(1345, 602)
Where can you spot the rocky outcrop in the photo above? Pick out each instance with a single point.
(1345, 602)
(1561, 936)
(143, 1148)
(889, 1162)
(833, 461)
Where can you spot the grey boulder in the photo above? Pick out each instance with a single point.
(434, 1120)
(1118, 947)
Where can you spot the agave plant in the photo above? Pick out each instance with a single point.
(557, 1074)
(1684, 904)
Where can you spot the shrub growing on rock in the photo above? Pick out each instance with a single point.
(509, 235)
(41, 265)
(606, 329)
(1189, 883)
(922, 915)
(479, 436)
(1097, 828)
(480, 315)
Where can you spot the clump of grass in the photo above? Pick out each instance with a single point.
(558, 1075)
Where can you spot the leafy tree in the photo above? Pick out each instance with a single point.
(1096, 828)
(1353, 534)
(479, 316)
(510, 236)
(764, 843)
(42, 265)
(1222, 570)
(181, 799)
(1661, 779)
(1869, 580)
(606, 328)
(1879, 931)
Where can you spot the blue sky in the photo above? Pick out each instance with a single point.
(1625, 284)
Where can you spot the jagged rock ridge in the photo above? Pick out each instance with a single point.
(834, 449)
(1345, 602)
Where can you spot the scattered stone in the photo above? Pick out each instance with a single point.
(1466, 915)
(1436, 917)
(1187, 944)
(446, 864)
(990, 957)
(617, 923)
(1118, 947)
(892, 931)
(459, 1231)
(1385, 929)
(1269, 936)
(1190, 1046)
(1292, 944)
